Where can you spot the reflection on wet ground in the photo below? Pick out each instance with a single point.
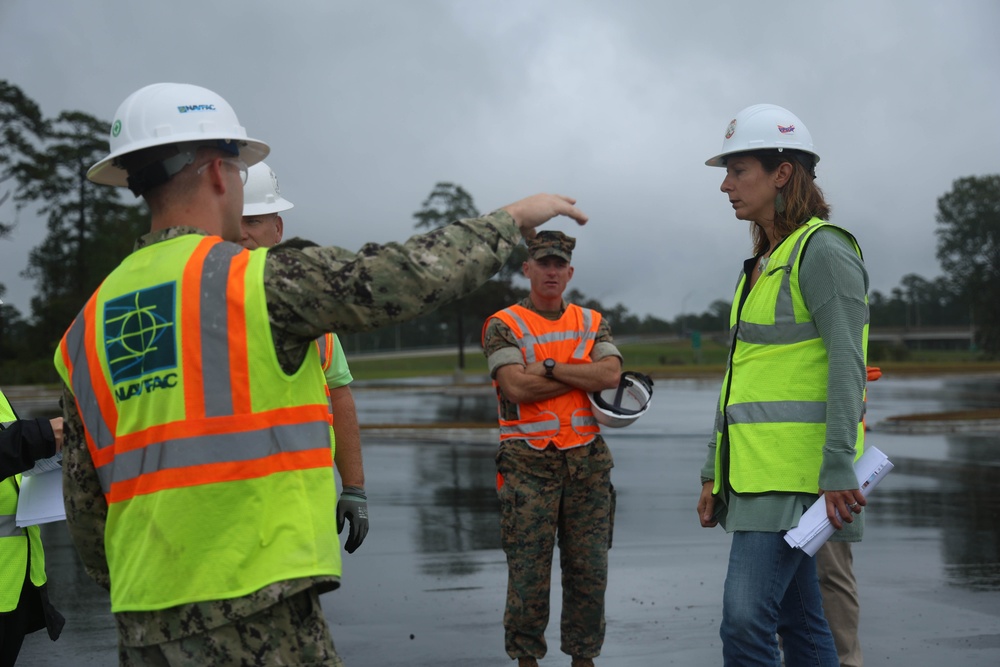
(428, 585)
(953, 478)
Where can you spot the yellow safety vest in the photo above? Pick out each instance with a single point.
(567, 420)
(15, 543)
(216, 466)
(773, 400)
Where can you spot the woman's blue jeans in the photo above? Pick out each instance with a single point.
(772, 589)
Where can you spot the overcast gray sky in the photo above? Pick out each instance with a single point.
(366, 104)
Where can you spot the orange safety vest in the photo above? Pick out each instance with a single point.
(566, 421)
(216, 465)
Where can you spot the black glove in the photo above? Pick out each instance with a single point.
(353, 505)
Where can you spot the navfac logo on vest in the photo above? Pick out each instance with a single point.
(140, 340)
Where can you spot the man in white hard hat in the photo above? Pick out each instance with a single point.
(198, 475)
(263, 227)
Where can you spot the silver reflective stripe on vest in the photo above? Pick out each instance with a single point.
(218, 448)
(530, 430)
(214, 326)
(777, 334)
(8, 526)
(785, 330)
(90, 412)
(784, 311)
(527, 341)
(803, 412)
(581, 418)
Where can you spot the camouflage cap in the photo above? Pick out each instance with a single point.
(549, 243)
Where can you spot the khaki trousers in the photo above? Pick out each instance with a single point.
(835, 568)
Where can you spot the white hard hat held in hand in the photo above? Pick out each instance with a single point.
(622, 405)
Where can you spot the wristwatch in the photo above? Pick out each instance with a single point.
(550, 365)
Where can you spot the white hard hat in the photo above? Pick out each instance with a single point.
(620, 406)
(261, 194)
(762, 127)
(173, 114)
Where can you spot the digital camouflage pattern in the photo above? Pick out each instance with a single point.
(309, 291)
(291, 632)
(330, 289)
(546, 495)
(549, 243)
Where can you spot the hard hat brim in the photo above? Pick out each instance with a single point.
(720, 159)
(106, 172)
(279, 206)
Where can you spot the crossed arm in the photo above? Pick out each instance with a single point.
(528, 384)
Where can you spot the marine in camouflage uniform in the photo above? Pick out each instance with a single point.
(552, 493)
(308, 291)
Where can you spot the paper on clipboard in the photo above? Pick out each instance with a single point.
(40, 499)
(814, 527)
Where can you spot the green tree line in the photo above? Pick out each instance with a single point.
(91, 228)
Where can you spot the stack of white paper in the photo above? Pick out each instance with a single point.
(41, 499)
(814, 527)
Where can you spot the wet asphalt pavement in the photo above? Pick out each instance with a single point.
(427, 587)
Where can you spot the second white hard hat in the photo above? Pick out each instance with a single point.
(620, 406)
(762, 127)
(261, 194)
(172, 113)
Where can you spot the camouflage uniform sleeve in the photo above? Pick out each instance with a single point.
(314, 290)
(604, 345)
(500, 346)
(86, 508)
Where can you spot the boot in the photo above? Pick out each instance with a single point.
(583, 662)
(527, 662)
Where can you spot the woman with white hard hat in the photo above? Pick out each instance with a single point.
(788, 425)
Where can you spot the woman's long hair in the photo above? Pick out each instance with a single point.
(802, 199)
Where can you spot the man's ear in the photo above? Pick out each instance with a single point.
(216, 177)
(280, 225)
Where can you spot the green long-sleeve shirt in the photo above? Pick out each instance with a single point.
(834, 282)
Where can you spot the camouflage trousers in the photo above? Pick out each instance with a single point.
(290, 632)
(534, 512)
